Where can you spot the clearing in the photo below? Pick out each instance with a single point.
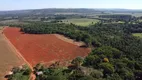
(137, 35)
(80, 21)
(46, 48)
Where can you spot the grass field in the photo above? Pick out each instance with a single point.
(81, 21)
(1, 27)
(137, 14)
(138, 35)
(133, 14)
(140, 20)
(8, 57)
(8, 22)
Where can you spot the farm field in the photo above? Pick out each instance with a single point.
(12, 22)
(140, 20)
(133, 14)
(137, 14)
(45, 48)
(8, 57)
(137, 34)
(80, 21)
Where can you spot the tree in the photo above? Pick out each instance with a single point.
(87, 78)
(77, 61)
(107, 51)
(26, 70)
(92, 60)
(107, 67)
(96, 74)
(39, 67)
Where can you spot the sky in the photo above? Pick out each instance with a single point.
(39, 4)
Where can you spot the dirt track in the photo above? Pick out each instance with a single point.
(8, 57)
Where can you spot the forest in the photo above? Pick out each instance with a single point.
(116, 54)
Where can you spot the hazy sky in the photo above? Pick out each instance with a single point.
(37, 4)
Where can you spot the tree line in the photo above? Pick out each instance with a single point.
(117, 54)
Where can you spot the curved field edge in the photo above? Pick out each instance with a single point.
(45, 48)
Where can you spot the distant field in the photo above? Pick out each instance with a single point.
(140, 20)
(133, 14)
(137, 14)
(138, 34)
(12, 22)
(81, 21)
(1, 27)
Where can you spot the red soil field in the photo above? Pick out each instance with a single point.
(45, 48)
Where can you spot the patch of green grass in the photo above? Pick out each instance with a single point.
(137, 14)
(1, 27)
(81, 21)
(137, 35)
(140, 20)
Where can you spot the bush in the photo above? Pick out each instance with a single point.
(56, 78)
(97, 74)
(92, 60)
(87, 78)
(77, 61)
(114, 77)
(107, 67)
(127, 74)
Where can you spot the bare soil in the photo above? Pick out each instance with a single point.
(47, 48)
(8, 57)
(62, 37)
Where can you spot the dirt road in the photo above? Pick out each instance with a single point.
(8, 57)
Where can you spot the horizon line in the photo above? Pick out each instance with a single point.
(67, 8)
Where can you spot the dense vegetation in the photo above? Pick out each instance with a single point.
(117, 54)
(19, 73)
(135, 28)
(118, 17)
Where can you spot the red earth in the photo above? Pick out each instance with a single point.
(47, 48)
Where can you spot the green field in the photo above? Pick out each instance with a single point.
(137, 14)
(133, 14)
(137, 34)
(81, 21)
(140, 20)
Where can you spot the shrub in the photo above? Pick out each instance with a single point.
(96, 74)
(107, 67)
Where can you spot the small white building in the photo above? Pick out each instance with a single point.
(10, 73)
(39, 73)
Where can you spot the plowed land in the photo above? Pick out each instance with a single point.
(46, 48)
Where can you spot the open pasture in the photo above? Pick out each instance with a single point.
(80, 21)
